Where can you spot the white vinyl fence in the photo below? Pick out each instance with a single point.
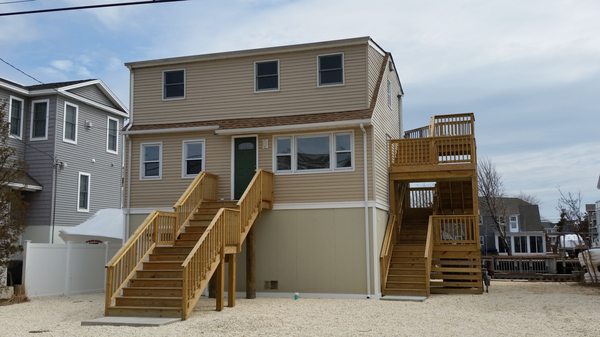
(65, 269)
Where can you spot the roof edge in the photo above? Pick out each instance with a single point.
(248, 52)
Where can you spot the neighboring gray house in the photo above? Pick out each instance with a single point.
(523, 228)
(68, 136)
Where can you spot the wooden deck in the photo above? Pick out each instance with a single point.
(443, 153)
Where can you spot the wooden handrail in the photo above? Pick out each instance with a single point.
(206, 254)
(386, 250)
(428, 255)
(157, 229)
(203, 187)
(432, 151)
(455, 229)
(257, 195)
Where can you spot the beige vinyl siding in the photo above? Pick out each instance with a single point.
(222, 89)
(374, 68)
(335, 186)
(166, 191)
(385, 122)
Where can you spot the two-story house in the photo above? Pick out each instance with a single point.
(523, 226)
(317, 115)
(67, 134)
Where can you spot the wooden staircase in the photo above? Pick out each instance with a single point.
(156, 289)
(407, 270)
(165, 266)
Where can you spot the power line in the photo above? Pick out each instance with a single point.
(21, 71)
(15, 2)
(61, 9)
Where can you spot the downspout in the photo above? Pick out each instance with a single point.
(126, 234)
(366, 195)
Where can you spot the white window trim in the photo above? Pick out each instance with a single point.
(276, 154)
(108, 119)
(319, 85)
(89, 192)
(510, 228)
(160, 161)
(184, 85)
(47, 101)
(332, 153)
(66, 140)
(258, 91)
(10, 100)
(184, 174)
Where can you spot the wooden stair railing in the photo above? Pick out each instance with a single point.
(392, 230)
(228, 228)
(158, 229)
(428, 255)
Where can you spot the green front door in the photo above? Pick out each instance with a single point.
(244, 164)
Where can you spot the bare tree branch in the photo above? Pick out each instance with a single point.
(491, 193)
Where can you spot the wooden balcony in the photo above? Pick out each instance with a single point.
(444, 149)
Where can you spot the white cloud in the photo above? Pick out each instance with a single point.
(62, 65)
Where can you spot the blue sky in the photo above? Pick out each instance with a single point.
(530, 70)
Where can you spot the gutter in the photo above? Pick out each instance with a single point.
(169, 130)
(366, 195)
(126, 234)
(291, 127)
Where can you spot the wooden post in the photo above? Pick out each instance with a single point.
(220, 280)
(232, 280)
(250, 265)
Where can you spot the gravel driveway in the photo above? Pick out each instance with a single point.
(510, 309)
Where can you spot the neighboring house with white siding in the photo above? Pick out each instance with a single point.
(318, 115)
(67, 135)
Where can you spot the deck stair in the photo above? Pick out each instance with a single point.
(407, 270)
(168, 262)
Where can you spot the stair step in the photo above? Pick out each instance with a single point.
(195, 229)
(204, 217)
(140, 282)
(162, 265)
(190, 235)
(185, 243)
(200, 223)
(144, 301)
(131, 311)
(152, 291)
(405, 285)
(405, 278)
(405, 292)
(168, 257)
(164, 274)
(172, 250)
(405, 259)
(409, 247)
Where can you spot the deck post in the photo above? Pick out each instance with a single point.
(220, 280)
(250, 265)
(232, 280)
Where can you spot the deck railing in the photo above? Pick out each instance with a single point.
(156, 230)
(455, 229)
(421, 197)
(521, 265)
(432, 151)
(159, 228)
(392, 231)
(421, 132)
(453, 125)
(203, 187)
(428, 255)
(208, 252)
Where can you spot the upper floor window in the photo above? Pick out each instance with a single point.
(83, 196)
(173, 84)
(331, 69)
(39, 120)
(193, 158)
(15, 117)
(151, 160)
(266, 76)
(513, 221)
(313, 153)
(70, 124)
(112, 135)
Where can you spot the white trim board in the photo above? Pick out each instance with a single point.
(295, 127)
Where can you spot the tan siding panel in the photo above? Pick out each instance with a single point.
(221, 89)
(385, 122)
(374, 68)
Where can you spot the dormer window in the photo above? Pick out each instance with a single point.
(266, 76)
(173, 84)
(331, 69)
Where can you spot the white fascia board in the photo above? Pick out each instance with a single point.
(171, 130)
(30, 188)
(94, 104)
(14, 88)
(294, 127)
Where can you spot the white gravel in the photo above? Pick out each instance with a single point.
(510, 309)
